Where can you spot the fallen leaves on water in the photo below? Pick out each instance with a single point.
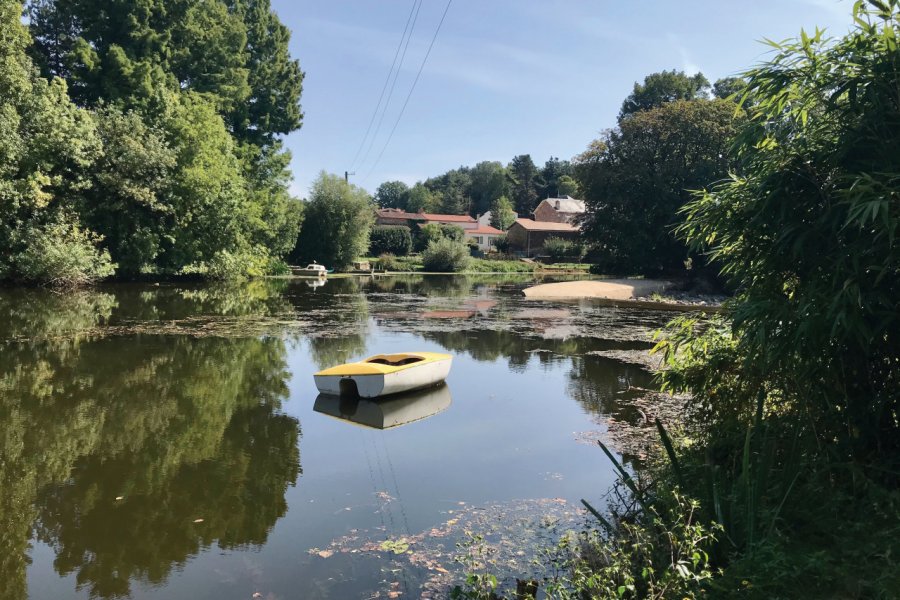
(198, 520)
(505, 537)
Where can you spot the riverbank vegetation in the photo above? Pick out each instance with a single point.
(145, 143)
(784, 479)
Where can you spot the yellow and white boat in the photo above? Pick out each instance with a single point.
(386, 413)
(385, 374)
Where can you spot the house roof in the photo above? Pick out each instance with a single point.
(529, 225)
(567, 204)
(452, 218)
(396, 213)
(484, 230)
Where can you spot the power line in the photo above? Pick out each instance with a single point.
(387, 80)
(393, 85)
(409, 95)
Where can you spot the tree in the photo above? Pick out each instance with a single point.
(489, 181)
(125, 52)
(568, 186)
(337, 222)
(186, 99)
(502, 214)
(729, 88)
(807, 231)
(420, 199)
(523, 189)
(452, 191)
(392, 194)
(637, 177)
(548, 182)
(665, 86)
(46, 146)
(274, 78)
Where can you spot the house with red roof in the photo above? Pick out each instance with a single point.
(484, 235)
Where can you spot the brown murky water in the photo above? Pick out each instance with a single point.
(167, 442)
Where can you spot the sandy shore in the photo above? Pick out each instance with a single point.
(611, 289)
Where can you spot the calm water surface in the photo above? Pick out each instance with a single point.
(167, 442)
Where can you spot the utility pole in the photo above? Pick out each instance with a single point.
(347, 176)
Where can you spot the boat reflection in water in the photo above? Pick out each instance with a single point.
(387, 412)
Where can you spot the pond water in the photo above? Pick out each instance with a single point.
(166, 441)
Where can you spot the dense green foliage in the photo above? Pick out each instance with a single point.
(148, 145)
(396, 240)
(639, 175)
(474, 190)
(420, 198)
(430, 232)
(559, 249)
(337, 222)
(523, 184)
(445, 256)
(807, 231)
(392, 194)
(664, 87)
(794, 403)
(502, 213)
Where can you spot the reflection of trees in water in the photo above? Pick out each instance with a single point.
(597, 382)
(238, 491)
(340, 313)
(35, 313)
(492, 344)
(176, 425)
(38, 313)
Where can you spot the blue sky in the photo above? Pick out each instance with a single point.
(506, 77)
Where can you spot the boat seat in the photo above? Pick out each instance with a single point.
(396, 363)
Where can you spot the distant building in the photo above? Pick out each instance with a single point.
(527, 237)
(395, 216)
(483, 234)
(559, 210)
(485, 219)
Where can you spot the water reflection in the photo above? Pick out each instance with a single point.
(142, 425)
(388, 412)
(111, 447)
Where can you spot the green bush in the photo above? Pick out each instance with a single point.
(388, 262)
(430, 232)
(501, 244)
(453, 232)
(446, 256)
(560, 249)
(63, 254)
(392, 239)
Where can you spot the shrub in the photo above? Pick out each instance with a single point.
(388, 239)
(501, 244)
(388, 262)
(453, 232)
(445, 256)
(430, 232)
(558, 248)
(63, 254)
